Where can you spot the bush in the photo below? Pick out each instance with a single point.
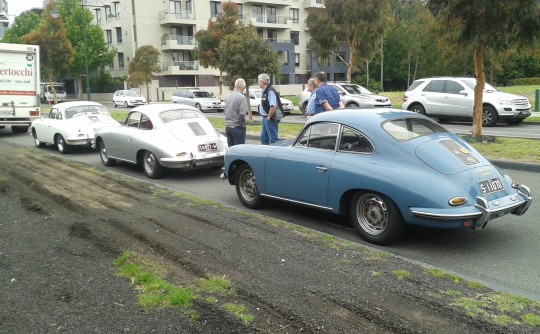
(524, 82)
(104, 83)
(373, 85)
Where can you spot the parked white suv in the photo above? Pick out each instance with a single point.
(352, 95)
(255, 96)
(200, 99)
(453, 98)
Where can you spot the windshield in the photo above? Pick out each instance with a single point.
(404, 129)
(257, 93)
(85, 110)
(472, 82)
(355, 89)
(202, 94)
(132, 93)
(174, 115)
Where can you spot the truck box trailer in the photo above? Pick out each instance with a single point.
(19, 86)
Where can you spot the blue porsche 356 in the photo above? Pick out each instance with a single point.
(384, 168)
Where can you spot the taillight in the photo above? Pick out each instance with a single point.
(34, 112)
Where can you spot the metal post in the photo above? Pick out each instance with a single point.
(536, 98)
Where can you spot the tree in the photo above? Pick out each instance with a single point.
(143, 67)
(23, 24)
(56, 52)
(76, 18)
(486, 25)
(206, 51)
(239, 60)
(357, 24)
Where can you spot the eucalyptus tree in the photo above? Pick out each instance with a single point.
(23, 24)
(483, 25)
(143, 67)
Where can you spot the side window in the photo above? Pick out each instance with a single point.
(146, 124)
(353, 141)
(189, 95)
(320, 135)
(182, 94)
(436, 86)
(453, 87)
(133, 119)
(52, 113)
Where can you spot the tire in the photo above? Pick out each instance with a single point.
(19, 129)
(514, 121)
(39, 144)
(352, 105)
(151, 165)
(489, 116)
(376, 218)
(114, 104)
(103, 154)
(63, 148)
(198, 106)
(126, 104)
(246, 188)
(418, 108)
(303, 107)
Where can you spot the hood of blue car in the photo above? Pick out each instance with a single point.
(447, 156)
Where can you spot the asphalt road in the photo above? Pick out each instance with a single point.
(503, 256)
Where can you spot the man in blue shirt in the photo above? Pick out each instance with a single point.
(311, 87)
(269, 110)
(327, 98)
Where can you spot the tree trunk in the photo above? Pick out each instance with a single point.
(367, 74)
(478, 89)
(250, 114)
(382, 64)
(408, 69)
(350, 64)
(220, 84)
(80, 86)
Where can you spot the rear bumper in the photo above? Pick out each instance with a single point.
(482, 211)
(183, 163)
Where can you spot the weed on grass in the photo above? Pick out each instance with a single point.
(401, 274)
(240, 312)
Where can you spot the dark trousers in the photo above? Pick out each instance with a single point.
(236, 135)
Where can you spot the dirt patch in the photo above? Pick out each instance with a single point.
(63, 225)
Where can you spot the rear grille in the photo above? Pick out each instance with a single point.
(197, 129)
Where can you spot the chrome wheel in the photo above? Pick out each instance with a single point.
(61, 144)
(151, 165)
(103, 155)
(246, 187)
(38, 143)
(489, 116)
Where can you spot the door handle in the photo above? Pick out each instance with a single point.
(321, 169)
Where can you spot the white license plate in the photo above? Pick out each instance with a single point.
(490, 186)
(207, 147)
(5, 113)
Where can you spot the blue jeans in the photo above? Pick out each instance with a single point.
(236, 135)
(269, 131)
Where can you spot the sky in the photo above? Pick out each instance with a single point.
(15, 7)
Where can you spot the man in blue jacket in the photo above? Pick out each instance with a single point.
(327, 98)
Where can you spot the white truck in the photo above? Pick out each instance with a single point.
(19, 86)
(47, 95)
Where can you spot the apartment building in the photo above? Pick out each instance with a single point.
(4, 17)
(170, 26)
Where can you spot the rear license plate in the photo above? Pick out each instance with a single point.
(207, 147)
(490, 186)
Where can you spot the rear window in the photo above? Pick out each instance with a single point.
(414, 85)
(174, 115)
(404, 129)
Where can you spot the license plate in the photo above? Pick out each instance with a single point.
(490, 186)
(5, 113)
(207, 147)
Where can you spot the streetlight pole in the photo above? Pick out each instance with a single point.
(55, 15)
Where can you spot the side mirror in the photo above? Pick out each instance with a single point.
(252, 97)
(464, 93)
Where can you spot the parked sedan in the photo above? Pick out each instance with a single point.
(385, 168)
(255, 96)
(162, 136)
(128, 98)
(71, 124)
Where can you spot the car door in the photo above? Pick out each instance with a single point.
(48, 126)
(301, 172)
(119, 139)
(433, 97)
(456, 104)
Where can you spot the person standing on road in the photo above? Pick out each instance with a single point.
(235, 114)
(327, 98)
(270, 109)
(311, 87)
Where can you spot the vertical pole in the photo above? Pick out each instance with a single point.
(536, 98)
(86, 55)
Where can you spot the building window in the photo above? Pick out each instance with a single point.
(116, 5)
(294, 14)
(119, 35)
(271, 14)
(108, 33)
(295, 37)
(134, 33)
(338, 58)
(98, 16)
(297, 60)
(258, 11)
(121, 60)
(189, 6)
(240, 9)
(174, 7)
(215, 8)
(272, 35)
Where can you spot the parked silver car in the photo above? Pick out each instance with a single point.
(352, 95)
(200, 99)
(453, 98)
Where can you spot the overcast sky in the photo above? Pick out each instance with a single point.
(15, 7)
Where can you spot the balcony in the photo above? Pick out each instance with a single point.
(180, 68)
(171, 17)
(267, 21)
(177, 42)
(313, 4)
(280, 3)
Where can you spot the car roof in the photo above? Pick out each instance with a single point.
(69, 104)
(150, 109)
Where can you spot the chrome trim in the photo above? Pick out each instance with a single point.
(525, 192)
(299, 202)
